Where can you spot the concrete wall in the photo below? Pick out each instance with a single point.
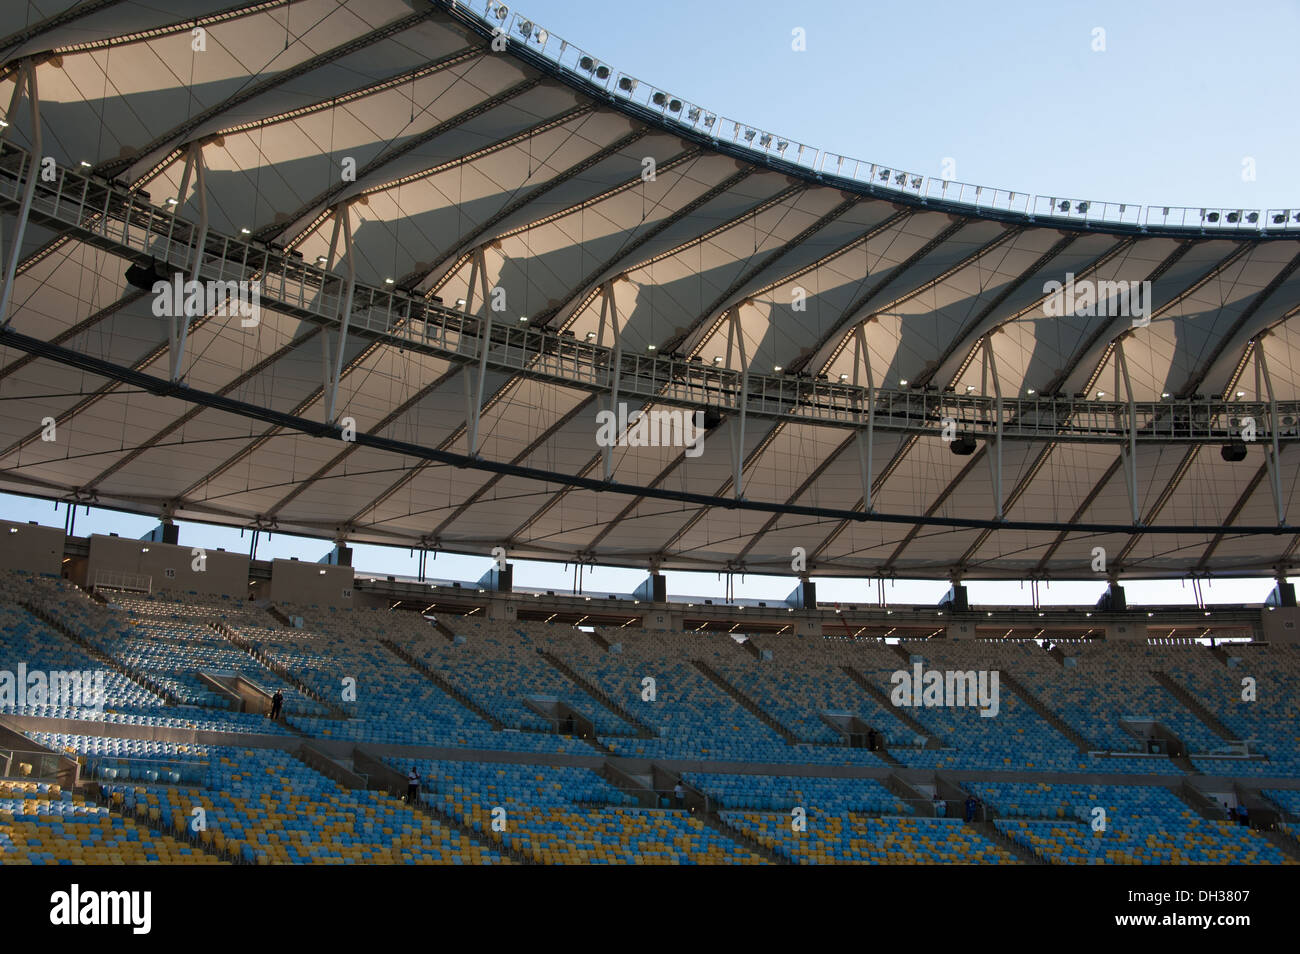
(1281, 626)
(1126, 632)
(24, 546)
(311, 584)
(171, 568)
(962, 630)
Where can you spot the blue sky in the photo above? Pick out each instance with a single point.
(1015, 94)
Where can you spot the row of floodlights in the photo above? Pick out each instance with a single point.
(694, 115)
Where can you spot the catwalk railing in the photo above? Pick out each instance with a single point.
(128, 224)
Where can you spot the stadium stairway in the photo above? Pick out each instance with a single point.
(443, 684)
(745, 702)
(144, 817)
(882, 700)
(998, 837)
(643, 730)
(1194, 705)
(744, 838)
(49, 619)
(269, 664)
(1052, 719)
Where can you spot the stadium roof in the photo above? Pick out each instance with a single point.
(383, 160)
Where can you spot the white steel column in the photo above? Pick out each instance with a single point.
(26, 79)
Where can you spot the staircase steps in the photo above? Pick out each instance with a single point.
(993, 834)
(445, 818)
(1284, 842)
(280, 616)
(99, 655)
(1195, 706)
(644, 731)
(884, 702)
(749, 842)
(272, 666)
(1055, 721)
(155, 826)
(433, 677)
(747, 703)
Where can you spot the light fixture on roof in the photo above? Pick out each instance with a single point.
(461, 302)
(144, 549)
(5, 125)
(1031, 392)
(591, 336)
(652, 347)
(523, 319)
(1241, 394)
(388, 281)
(244, 231)
(321, 260)
(717, 359)
(1164, 394)
(1101, 394)
(902, 383)
(970, 388)
(843, 377)
(171, 200)
(776, 368)
(322, 572)
(85, 164)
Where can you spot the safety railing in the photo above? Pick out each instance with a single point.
(675, 109)
(132, 226)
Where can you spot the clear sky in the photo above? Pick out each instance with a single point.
(1014, 93)
(1017, 95)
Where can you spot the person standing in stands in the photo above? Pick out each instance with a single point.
(412, 786)
(277, 703)
(679, 793)
(871, 740)
(970, 808)
(940, 806)
(1243, 814)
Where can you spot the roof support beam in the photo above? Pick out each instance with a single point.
(862, 363)
(737, 334)
(343, 215)
(478, 274)
(989, 368)
(1128, 451)
(179, 324)
(1271, 450)
(609, 309)
(26, 81)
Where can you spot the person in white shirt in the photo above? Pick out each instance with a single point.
(412, 785)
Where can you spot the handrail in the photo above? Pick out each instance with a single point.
(525, 34)
(128, 223)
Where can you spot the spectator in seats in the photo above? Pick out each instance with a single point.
(412, 785)
(971, 805)
(679, 794)
(277, 703)
(940, 806)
